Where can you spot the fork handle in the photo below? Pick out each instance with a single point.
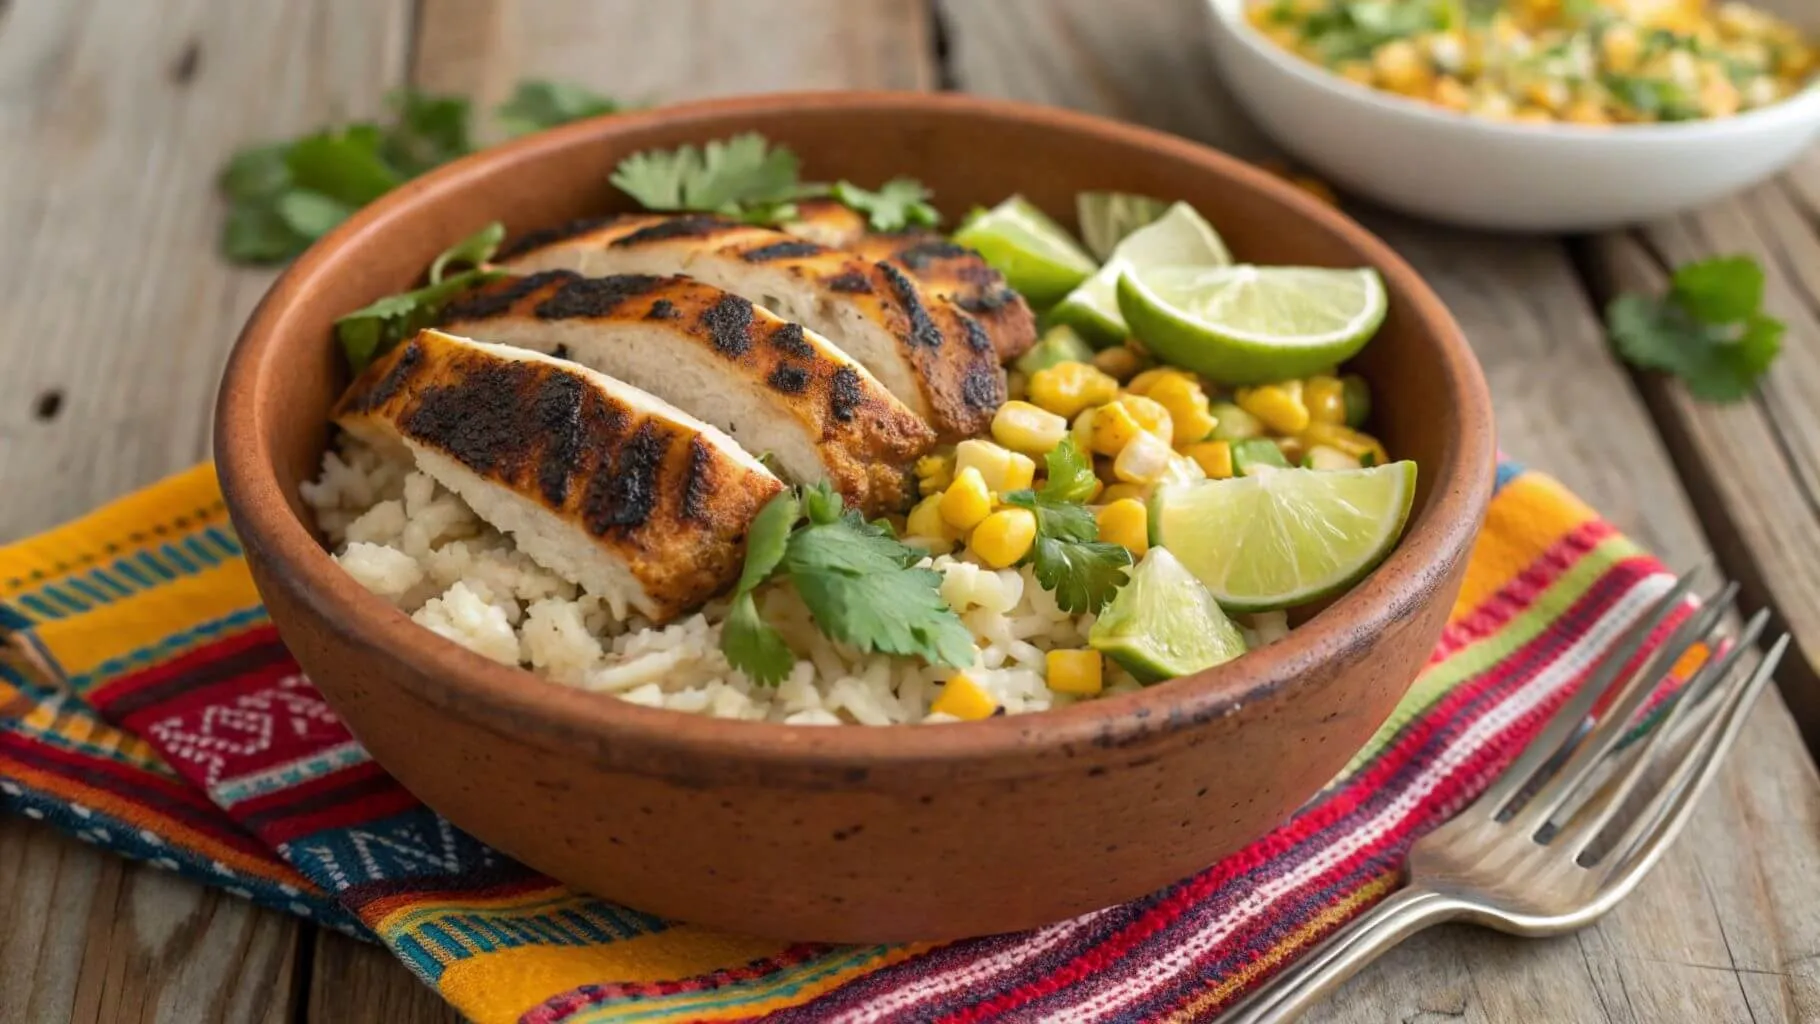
(1286, 996)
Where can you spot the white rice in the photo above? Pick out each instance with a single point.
(411, 541)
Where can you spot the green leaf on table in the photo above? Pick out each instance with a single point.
(537, 105)
(1709, 330)
(427, 131)
(343, 164)
(257, 172)
(310, 214)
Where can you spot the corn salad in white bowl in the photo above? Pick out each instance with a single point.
(1529, 115)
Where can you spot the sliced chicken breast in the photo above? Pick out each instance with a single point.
(927, 351)
(943, 268)
(774, 386)
(599, 482)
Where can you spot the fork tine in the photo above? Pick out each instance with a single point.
(1566, 723)
(1634, 694)
(1647, 837)
(1590, 821)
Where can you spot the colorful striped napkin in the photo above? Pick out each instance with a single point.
(146, 705)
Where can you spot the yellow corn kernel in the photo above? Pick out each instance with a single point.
(967, 500)
(1214, 458)
(926, 526)
(1119, 492)
(1280, 406)
(1112, 428)
(1067, 388)
(1719, 98)
(1023, 427)
(1347, 440)
(1126, 522)
(1004, 537)
(1143, 382)
(1533, 115)
(1020, 472)
(1186, 404)
(1449, 92)
(1547, 93)
(1585, 111)
(1143, 460)
(1359, 71)
(1151, 416)
(992, 461)
(1400, 67)
(964, 699)
(1076, 672)
(1620, 46)
(1119, 362)
(1325, 398)
(935, 472)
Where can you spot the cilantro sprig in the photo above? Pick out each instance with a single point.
(283, 196)
(749, 178)
(1083, 572)
(368, 333)
(1710, 329)
(861, 585)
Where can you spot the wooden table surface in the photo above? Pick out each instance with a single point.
(116, 315)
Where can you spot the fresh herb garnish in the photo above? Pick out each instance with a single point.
(283, 196)
(368, 333)
(859, 582)
(1083, 572)
(898, 204)
(1710, 329)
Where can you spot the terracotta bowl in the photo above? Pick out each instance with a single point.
(855, 834)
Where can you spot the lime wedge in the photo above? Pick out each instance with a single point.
(1180, 237)
(1036, 255)
(1252, 325)
(1107, 217)
(1163, 623)
(1280, 539)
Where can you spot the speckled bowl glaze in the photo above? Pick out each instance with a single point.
(856, 833)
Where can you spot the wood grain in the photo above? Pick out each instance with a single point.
(1705, 938)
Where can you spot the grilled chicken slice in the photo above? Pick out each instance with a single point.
(927, 351)
(950, 271)
(771, 384)
(605, 485)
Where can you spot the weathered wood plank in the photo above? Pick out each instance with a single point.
(1705, 938)
(1754, 467)
(88, 937)
(115, 116)
(639, 52)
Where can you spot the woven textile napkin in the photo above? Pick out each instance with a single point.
(147, 705)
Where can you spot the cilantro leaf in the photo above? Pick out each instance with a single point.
(744, 176)
(898, 204)
(344, 165)
(255, 233)
(310, 214)
(370, 332)
(1709, 330)
(1070, 472)
(766, 539)
(537, 105)
(753, 645)
(1083, 576)
(472, 251)
(427, 132)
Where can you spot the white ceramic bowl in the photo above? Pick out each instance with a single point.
(1452, 167)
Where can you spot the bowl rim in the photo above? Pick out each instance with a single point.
(497, 697)
(1801, 107)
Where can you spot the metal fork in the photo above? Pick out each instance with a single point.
(1527, 857)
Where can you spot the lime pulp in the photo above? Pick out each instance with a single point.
(1180, 237)
(1107, 217)
(1163, 623)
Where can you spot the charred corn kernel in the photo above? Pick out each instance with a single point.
(1400, 67)
(1023, 427)
(967, 500)
(1017, 385)
(1293, 448)
(1322, 457)
(1278, 406)
(1449, 93)
(1113, 428)
(1004, 537)
(1187, 405)
(964, 699)
(1620, 46)
(1214, 458)
(1076, 672)
(992, 461)
(1346, 440)
(1119, 362)
(1119, 492)
(1143, 382)
(1067, 388)
(935, 472)
(1143, 460)
(1126, 522)
(926, 525)
(1082, 430)
(1325, 398)
(1020, 472)
(1151, 415)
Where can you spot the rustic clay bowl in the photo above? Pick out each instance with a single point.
(856, 833)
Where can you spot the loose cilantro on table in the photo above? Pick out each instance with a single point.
(1710, 329)
(1083, 572)
(860, 584)
(283, 196)
(368, 333)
